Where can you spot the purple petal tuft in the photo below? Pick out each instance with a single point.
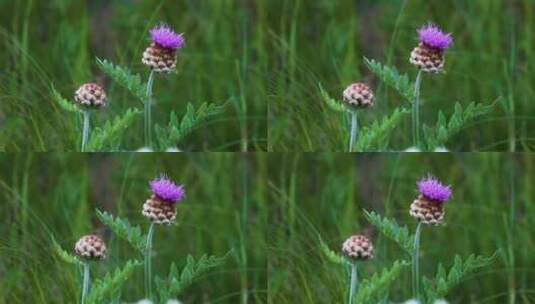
(167, 190)
(432, 189)
(166, 37)
(433, 37)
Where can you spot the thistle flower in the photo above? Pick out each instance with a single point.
(160, 56)
(358, 95)
(358, 247)
(428, 207)
(428, 56)
(90, 96)
(90, 247)
(160, 207)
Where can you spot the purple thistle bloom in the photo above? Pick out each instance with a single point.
(167, 190)
(432, 189)
(433, 37)
(166, 37)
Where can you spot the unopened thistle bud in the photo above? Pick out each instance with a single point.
(358, 248)
(90, 247)
(161, 55)
(358, 95)
(90, 96)
(428, 207)
(160, 208)
(428, 56)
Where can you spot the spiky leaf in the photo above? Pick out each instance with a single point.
(124, 230)
(62, 102)
(111, 283)
(373, 290)
(333, 104)
(446, 280)
(376, 136)
(64, 255)
(125, 78)
(391, 77)
(109, 136)
(392, 230)
(177, 280)
(176, 131)
(331, 255)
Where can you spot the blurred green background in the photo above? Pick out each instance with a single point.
(324, 194)
(56, 42)
(492, 59)
(55, 195)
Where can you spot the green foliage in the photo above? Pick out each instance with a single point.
(176, 131)
(333, 104)
(111, 283)
(109, 136)
(376, 136)
(445, 128)
(331, 255)
(392, 230)
(373, 290)
(390, 76)
(445, 281)
(64, 255)
(123, 229)
(62, 102)
(177, 281)
(125, 78)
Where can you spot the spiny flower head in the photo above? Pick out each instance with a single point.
(167, 190)
(434, 190)
(433, 37)
(165, 37)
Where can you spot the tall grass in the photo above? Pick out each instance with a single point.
(490, 211)
(56, 42)
(325, 42)
(45, 198)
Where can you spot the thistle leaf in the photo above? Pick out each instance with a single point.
(62, 102)
(109, 136)
(331, 255)
(124, 230)
(111, 283)
(392, 230)
(373, 290)
(390, 76)
(64, 255)
(177, 281)
(125, 78)
(333, 104)
(376, 136)
(446, 280)
(175, 131)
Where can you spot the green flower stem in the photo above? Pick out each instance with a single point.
(85, 287)
(416, 263)
(354, 130)
(148, 114)
(85, 129)
(416, 111)
(353, 283)
(148, 263)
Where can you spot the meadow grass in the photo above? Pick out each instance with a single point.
(325, 42)
(56, 43)
(45, 199)
(324, 195)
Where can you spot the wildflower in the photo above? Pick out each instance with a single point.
(91, 96)
(90, 247)
(428, 56)
(358, 247)
(160, 56)
(428, 208)
(160, 207)
(358, 95)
